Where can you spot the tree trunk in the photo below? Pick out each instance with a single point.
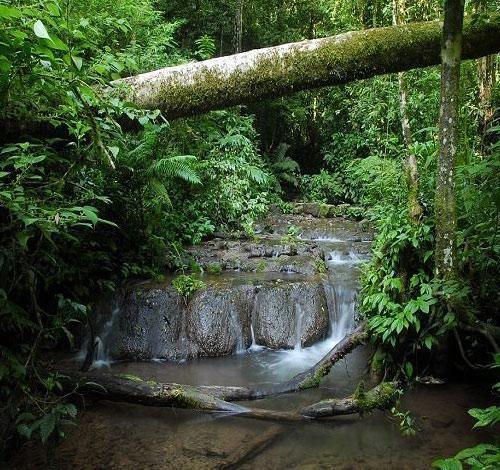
(238, 26)
(446, 222)
(242, 78)
(486, 75)
(134, 390)
(381, 397)
(410, 164)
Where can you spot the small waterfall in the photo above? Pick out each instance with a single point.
(343, 307)
(254, 347)
(238, 330)
(338, 257)
(299, 314)
(101, 352)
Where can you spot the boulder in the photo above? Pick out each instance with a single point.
(156, 322)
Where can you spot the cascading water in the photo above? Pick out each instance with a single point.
(299, 314)
(341, 289)
(238, 330)
(254, 347)
(101, 350)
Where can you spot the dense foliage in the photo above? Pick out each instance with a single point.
(94, 192)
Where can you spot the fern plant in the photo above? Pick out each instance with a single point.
(284, 168)
(153, 159)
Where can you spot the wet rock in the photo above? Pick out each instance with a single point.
(217, 321)
(156, 322)
(290, 316)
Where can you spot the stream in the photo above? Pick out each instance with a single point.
(115, 435)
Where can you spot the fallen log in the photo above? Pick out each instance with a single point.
(131, 389)
(198, 87)
(136, 390)
(381, 397)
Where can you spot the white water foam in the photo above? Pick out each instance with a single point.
(341, 299)
(254, 347)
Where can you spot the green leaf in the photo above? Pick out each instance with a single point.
(447, 464)
(22, 238)
(78, 61)
(114, 151)
(40, 30)
(55, 43)
(428, 340)
(24, 430)
(90, 213)
(47, 426)
(9, 12)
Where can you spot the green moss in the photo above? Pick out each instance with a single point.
(324, 210)
(314, 380)
(321, 266)
(188, 397)
(130, 377)
(213, 268)
(381, 397)
(359, 55)
(261, 266)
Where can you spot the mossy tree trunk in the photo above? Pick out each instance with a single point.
(445, 204)
(194, 88)
(238, 26)
(486, 74)
(410, 163)
(486, 77)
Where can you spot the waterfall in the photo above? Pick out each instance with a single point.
(254, 347)
(340, 290)
(238, 331)
(299, 314)
(101, 352)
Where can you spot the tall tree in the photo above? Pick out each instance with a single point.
(445, 203)
(486, 77)
(411, 168)
(238, 26)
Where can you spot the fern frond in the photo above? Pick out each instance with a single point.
(179, 166)
(159, 190)
(286, 165)
(257, 175)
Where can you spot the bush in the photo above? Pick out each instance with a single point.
(323, 187)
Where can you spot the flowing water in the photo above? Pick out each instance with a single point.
(111, 435)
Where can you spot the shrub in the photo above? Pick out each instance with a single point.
(323, 187)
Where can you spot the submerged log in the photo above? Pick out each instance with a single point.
(276, 71)
(249, 450)
(134, 390)
(381, 397)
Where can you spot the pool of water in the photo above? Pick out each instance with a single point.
(113, 435)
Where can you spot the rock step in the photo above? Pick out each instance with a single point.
(156, 322)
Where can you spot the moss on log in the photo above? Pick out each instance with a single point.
(381, 397)
(275, 71)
